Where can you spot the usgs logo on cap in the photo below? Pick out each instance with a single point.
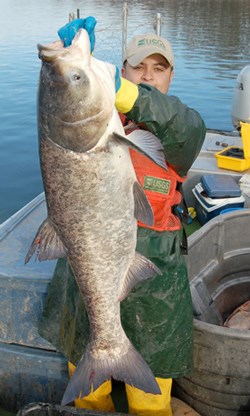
(151, 42)
(145, 45)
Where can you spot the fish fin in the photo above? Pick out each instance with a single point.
(143, 210)
(90, 373)
(140, 269)
(47, 243)
(146, 143)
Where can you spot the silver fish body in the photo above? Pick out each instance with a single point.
(93, 201)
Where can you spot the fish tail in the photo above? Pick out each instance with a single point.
(90, 373)
(132, 369)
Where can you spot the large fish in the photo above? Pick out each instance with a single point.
(94, 201)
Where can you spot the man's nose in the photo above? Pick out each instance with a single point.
(147, 74)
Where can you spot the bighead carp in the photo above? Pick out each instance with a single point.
(93, 202)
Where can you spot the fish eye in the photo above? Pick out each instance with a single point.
(77, 77)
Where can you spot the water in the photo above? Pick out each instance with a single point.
(210, 39)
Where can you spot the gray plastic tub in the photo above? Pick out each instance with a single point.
(219, 270)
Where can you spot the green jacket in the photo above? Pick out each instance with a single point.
(180, 128)
(157, 314)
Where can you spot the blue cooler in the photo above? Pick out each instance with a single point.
(207, 207)
(220, 186)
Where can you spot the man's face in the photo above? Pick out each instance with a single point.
(153, 70)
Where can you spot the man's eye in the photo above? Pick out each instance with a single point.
(159, 69)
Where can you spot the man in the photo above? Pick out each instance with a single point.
(157, 314)
(153, 69)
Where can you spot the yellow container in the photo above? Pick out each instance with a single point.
(236, 163)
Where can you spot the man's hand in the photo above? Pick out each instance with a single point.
(68, 32)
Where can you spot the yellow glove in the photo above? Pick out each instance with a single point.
(126, 96)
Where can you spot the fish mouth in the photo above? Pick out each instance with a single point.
(51, 52)
(56, 49)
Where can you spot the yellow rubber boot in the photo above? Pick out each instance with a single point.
(99, 399)
(147, 404)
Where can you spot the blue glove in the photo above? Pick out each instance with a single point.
(68, 32)
(117, 80)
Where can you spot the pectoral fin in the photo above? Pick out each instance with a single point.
(146, 143)
(141, 269)
(47, 243)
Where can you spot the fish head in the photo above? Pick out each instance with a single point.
(76, 94)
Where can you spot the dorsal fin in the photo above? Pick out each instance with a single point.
(143, 211)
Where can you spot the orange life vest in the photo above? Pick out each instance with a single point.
(160, 186)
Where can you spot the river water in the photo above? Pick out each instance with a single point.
(210, 39)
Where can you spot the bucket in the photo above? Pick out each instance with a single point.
(219, 271)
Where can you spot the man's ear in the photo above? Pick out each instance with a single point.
(123, 71)
(172, 75)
